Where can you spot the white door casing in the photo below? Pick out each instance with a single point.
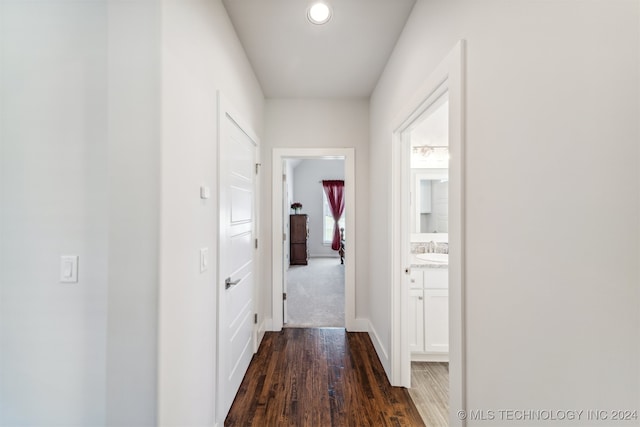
(285, 238)
(237, 150)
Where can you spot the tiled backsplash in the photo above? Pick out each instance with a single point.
(429, 247)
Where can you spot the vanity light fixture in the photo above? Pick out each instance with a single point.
(428, 150)
(319, 13)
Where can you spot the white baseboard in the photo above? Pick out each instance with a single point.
(358, 325)
(380, 350)
(262, 328)
(429, 357)
(266, 325)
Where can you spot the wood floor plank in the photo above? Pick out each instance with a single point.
(430, 391)
(319, 377)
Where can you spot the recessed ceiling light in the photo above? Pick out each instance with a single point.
(319, 13)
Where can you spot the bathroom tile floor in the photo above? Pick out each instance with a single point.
(430, 391)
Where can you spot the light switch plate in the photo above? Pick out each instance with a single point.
(205, 192)
(69, 269)
(204, 259)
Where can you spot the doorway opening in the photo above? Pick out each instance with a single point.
(428, 321)
(313, 271)
(295, 158)
(428, 254)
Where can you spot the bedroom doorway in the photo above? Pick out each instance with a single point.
(313, 272)
(322, 258)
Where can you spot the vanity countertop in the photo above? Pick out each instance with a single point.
(418, 263)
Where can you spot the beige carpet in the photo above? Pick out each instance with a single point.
(315, 294)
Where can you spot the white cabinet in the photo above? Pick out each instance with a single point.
(416, 320)
(425, 196)
(416, 279)
(429, 315)
(436, 320)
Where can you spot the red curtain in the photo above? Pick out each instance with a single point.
(335, 196)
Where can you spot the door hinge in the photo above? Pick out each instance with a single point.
(256, 241)
(284, 237)
(255, 318)
(258, 167)
(284, 178)
(284, 296)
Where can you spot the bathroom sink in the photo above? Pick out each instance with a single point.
(436, 258)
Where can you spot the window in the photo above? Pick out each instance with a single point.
(328, 222)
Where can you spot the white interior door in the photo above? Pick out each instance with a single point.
(236, 258)
(285, 239)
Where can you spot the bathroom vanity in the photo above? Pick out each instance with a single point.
(428, 311)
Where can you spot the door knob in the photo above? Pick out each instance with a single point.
(228, 283)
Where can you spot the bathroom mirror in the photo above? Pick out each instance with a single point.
(430, 201)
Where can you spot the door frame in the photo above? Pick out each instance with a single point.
(285, 206)
(448, 75)
(279, 155)
(225, 109)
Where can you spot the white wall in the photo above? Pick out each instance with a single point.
(308, 191)
(200, 55)
(552, 111)
(134, 205)
(321, 123)
(53, 201)
(79, 176)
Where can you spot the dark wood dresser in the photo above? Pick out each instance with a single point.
(298, 234)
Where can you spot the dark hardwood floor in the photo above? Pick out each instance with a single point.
(319, 377)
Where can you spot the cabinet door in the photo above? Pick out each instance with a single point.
(299, 228)
(436, 320)
(436, 278)
(416, 320)
(299, 231)
(416, 278)
(425, 196)
(299, 254)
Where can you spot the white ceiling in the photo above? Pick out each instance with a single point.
(296, 59)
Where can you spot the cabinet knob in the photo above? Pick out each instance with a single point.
(420, 298)
(413, 280)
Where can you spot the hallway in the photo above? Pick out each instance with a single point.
(319, 377)
(113, 295)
